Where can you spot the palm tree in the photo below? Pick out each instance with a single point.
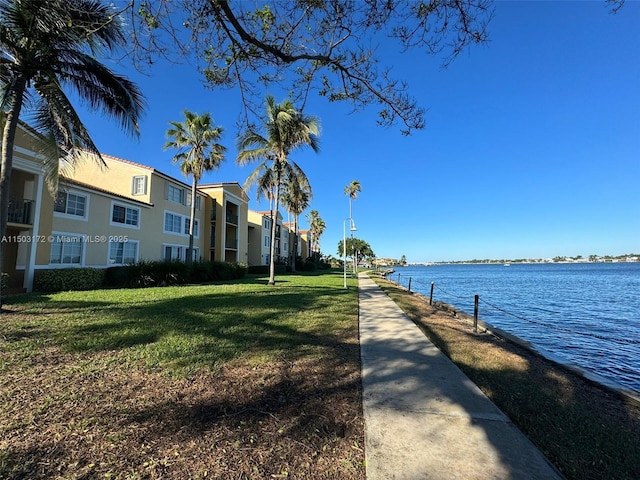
(286, 129)
(198, 153)
(295, 197)
(316, 228)
(352, 190)
(45, 46)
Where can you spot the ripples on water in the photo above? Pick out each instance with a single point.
(544, 300)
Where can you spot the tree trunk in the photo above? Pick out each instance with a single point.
(189, 259)
(274, 219)
(8, 139)
(295, 242)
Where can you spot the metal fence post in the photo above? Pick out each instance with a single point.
(475, 313)
(431, 295)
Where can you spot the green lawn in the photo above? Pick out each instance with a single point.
(182, 329)
(259, 371)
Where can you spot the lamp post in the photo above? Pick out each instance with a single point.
(352, 228)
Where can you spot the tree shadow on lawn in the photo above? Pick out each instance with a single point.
(302, 418)
(212, 328)
(191, 330)
(294, 413)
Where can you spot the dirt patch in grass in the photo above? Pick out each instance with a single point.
(84, 416)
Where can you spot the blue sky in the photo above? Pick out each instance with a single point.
(531, 148)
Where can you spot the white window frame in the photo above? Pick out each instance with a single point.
(58, 236)
(135, 186)
(180, 227)
(124, 244)
(171, 189)
(126, 207)
(73, 216)
(198, 200)
(196, 227)
(181, 255)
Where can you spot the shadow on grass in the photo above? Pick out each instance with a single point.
(195, 329)
(297, 411)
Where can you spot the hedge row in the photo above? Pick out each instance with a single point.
(142, 274)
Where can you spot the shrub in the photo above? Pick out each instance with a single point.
(147, 274)
(158, 274)
(62, 279)
(4, 281)
(259, 269)
(309, 265)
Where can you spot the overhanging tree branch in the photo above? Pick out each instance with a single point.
(310, 45)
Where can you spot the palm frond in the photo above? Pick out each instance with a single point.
(195, 139)
(103, 90)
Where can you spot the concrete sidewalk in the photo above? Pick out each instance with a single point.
(424, 419)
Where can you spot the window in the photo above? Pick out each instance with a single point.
(267, 224)
(187, 223)
(174, 252)
(175, 194)
(198, 200)
(70, 204)
(139, 185)
(66, 249)
(123, 253)
(125, 215)
(172, 223)
(266, 241)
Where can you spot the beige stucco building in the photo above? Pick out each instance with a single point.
(123, 212)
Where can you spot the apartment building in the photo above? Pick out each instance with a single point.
(227, 211)
(260, 238)
(305, 244)
(146, 208)
(26, 193)
(124, 212)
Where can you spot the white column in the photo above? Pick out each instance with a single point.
(35, 232)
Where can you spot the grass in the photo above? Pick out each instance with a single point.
(213, 381)
(588, 432)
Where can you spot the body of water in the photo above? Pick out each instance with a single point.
(586, 314)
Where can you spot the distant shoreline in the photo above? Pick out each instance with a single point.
(631, 258)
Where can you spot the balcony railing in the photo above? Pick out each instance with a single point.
(20, 211)
(231, 218)
(231, 243)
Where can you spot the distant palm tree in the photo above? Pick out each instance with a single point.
(317, 227)
(286, 129)
(352, 190)
(198, 153)
(296, 197)
(48, 45)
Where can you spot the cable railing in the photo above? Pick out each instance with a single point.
(477, 300)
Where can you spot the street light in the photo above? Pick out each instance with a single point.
(352, 227)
